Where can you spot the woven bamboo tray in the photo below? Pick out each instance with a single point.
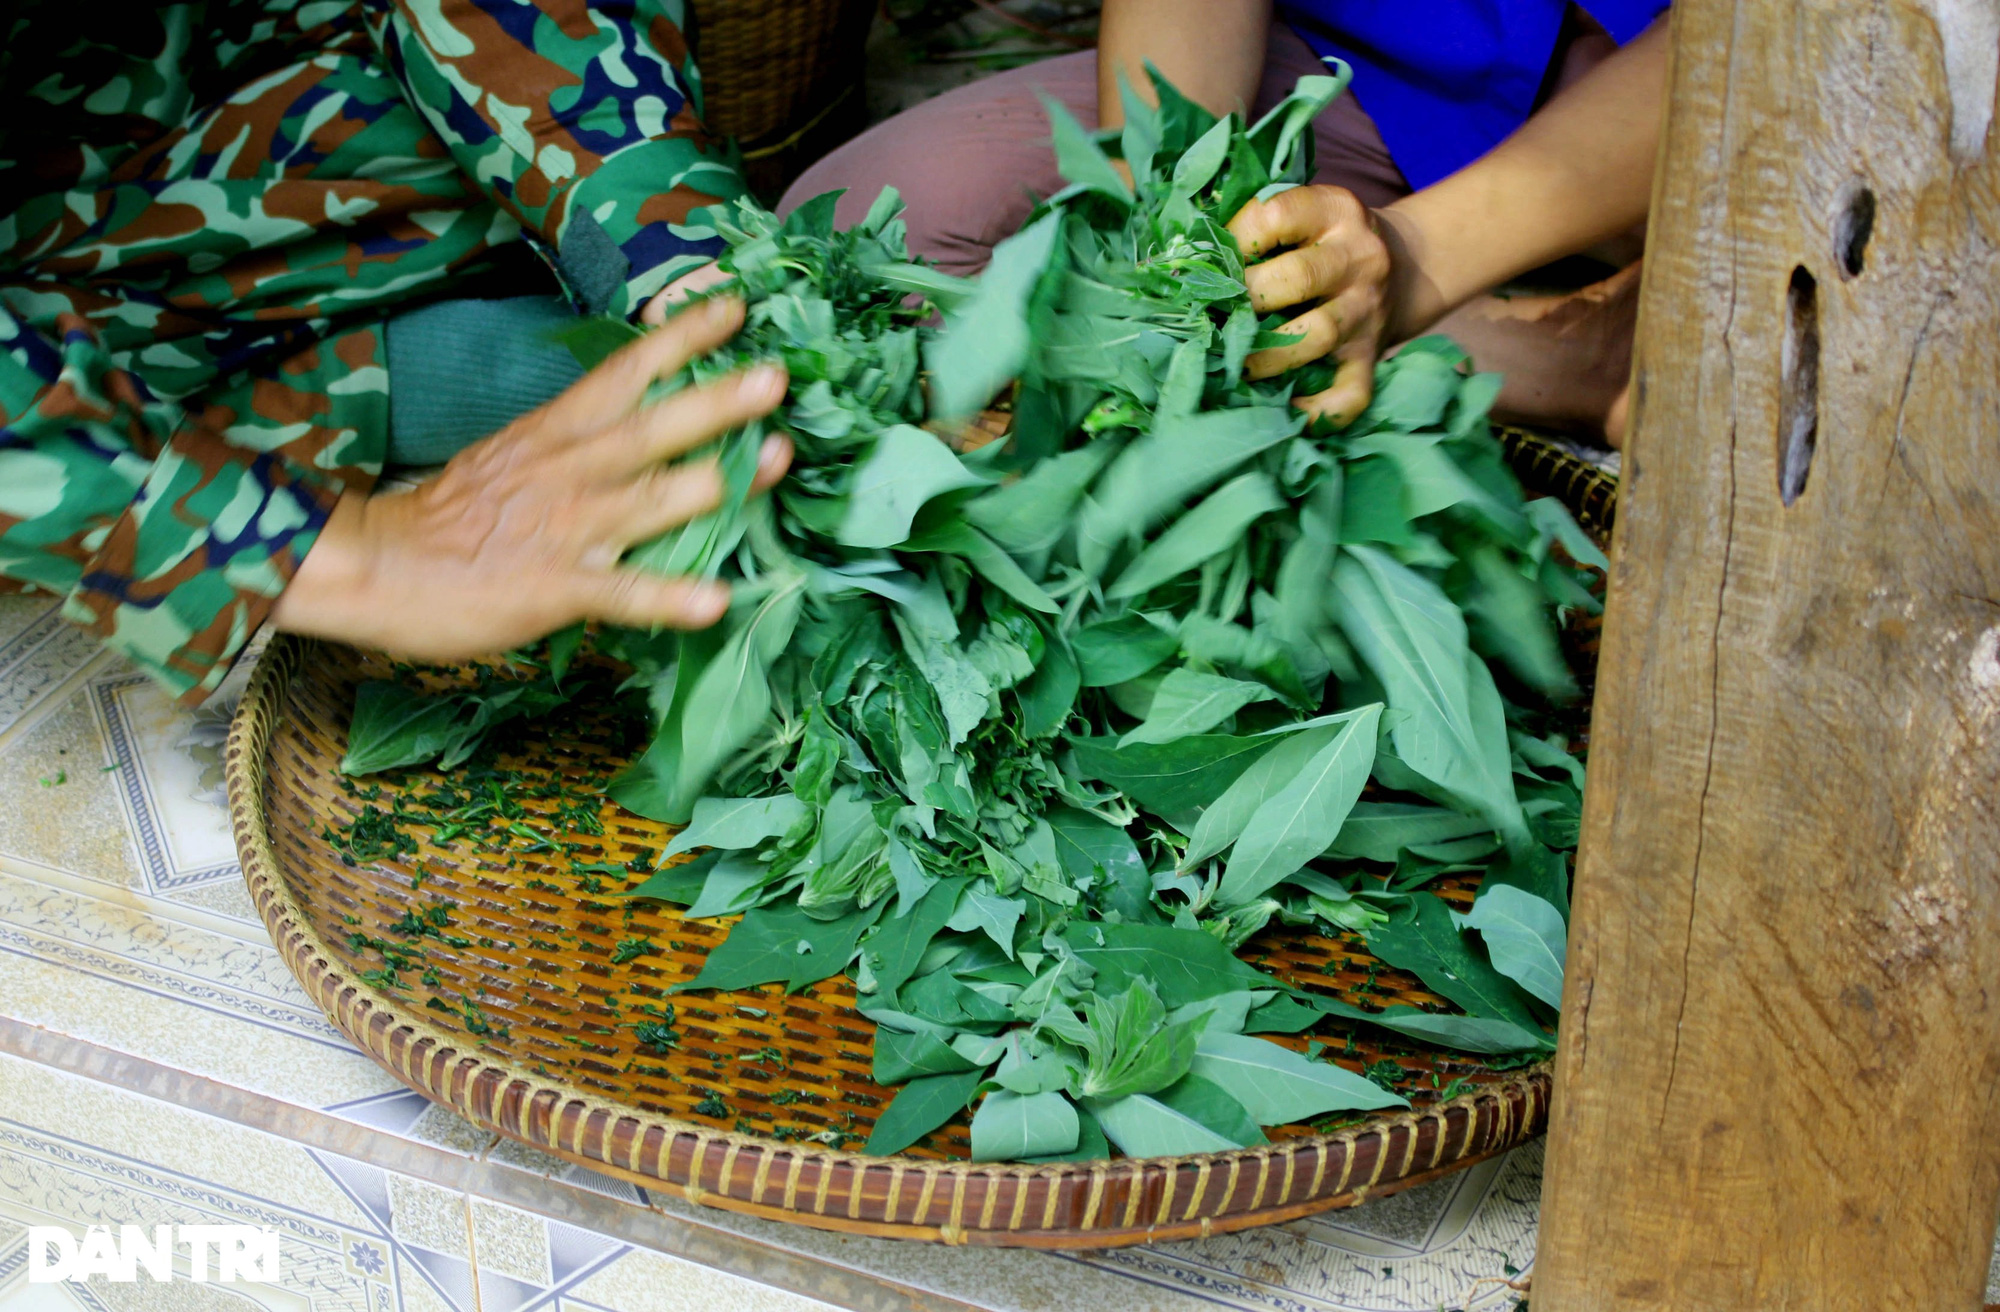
(524, 1004)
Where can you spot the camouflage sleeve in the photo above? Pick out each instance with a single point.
(169, 530)
(576, 116)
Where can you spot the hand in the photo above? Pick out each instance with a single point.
(522, 532)
(1339, 264)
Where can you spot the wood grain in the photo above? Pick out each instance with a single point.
(1779, 1079)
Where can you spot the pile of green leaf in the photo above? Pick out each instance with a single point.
(1028, 740)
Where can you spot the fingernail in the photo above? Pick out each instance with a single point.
(771, 454)
(763, 385)
(719, 309)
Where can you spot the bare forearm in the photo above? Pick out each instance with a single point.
(1573, 175)
(1212, 50)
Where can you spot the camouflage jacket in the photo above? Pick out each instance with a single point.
(208, 208)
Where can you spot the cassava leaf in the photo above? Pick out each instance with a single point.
(1524, 936)
(922, 1106)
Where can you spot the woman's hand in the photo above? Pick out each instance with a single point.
(522, 532)
(1337, 263)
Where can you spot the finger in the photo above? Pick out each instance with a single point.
(686, 421)
(668, 496)
(773, 459)
(663, 498)
(1318, 331)
(613, 390)
(682, 289)
(1313, 272)
(1353, 388)
(1292, 217)
(643, 601)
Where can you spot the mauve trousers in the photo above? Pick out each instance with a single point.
(971, 162)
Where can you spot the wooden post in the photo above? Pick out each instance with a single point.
(1779, 1077)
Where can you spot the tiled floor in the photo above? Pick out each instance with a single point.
(158, 1063)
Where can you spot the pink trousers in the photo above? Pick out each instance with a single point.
(971, 162)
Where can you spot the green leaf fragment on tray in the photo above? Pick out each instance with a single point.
(1277, 1086)
(1425, 940)
(1120, 650)
(919, 1107)
(900, 1056)
(737, 822)
(1171, 778)
(763, 948)
(1186, 965)
(1011, 1125)
(1210, 529)
(906, 469)
(1195, 1115)
(1525, 937)
(1189, 702)
(1300, 819)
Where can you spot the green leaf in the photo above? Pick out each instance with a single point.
(978, 909)
(985, 342)
(1278, 1086)
(1078, 158)
(1009, 1126)
(906, 469)
(731, 887)
(1210, 529)
(1283, 137)
(1224, 820)
(730, 699)
(922, 1106)
(1183, 455)
(1553, 523)
(1193, 1116)
(1186, 965)
(1049, 694)
(1525, 937)
(737, 822)
(1425, 940)
(900, 1056)
(1116, 651)
(1283, 1014)
(1300, 820)
(898, 945)
(1133, 1047)
(682, 883)
(1103, 858)
(1466, 1033)
(1139, 140)
(1196, 167)
(1091, 1145)
(1413, 641)
(1031, 514)
(763, 948)
(395, 726)
(1379, 831)
(984, 555)
(1189, 702)
(1509, 620)
(1170, 778)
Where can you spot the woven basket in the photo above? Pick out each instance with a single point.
(754, 1108)
(783, 77)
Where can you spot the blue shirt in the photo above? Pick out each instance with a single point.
(1447, 80)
